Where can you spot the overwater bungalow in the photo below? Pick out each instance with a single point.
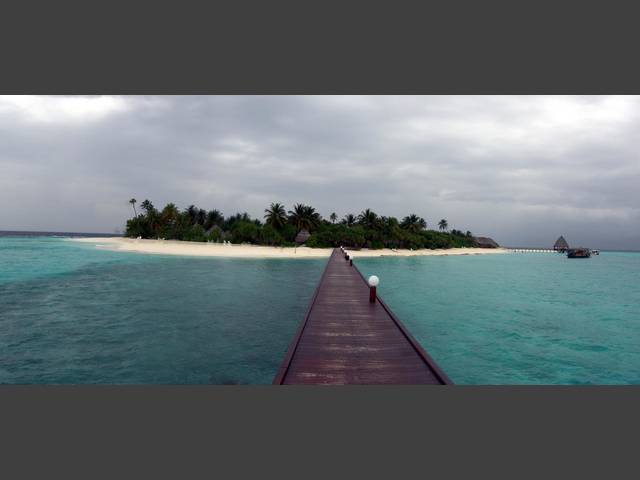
(561, 245)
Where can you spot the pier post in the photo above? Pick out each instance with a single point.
(373, 283)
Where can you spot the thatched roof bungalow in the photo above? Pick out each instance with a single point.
(561, 245)
(485, 242)
(302, 236)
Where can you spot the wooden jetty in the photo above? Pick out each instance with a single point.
(346, 339)
(533, 250)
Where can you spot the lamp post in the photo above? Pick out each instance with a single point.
(373, 283)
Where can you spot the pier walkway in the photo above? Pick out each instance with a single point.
(532, 250)
(345, 339)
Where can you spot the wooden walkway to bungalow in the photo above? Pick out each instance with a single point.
(532, 250)
(345, 339)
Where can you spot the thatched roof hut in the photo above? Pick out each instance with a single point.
(485, 242)
(302, 236)
(561, 244)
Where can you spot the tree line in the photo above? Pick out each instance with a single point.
(280, 227)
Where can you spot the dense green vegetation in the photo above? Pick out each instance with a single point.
(280, 228)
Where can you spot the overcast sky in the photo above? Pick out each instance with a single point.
(520, 169)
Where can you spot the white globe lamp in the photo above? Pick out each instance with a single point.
(373, 283)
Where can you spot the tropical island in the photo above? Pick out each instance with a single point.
(302, 225)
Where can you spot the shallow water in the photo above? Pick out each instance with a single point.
(72, 313)
(528, 318)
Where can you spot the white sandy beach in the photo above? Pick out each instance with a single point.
(198, 249)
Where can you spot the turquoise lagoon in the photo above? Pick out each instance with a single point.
(71, 313)
(521, 318)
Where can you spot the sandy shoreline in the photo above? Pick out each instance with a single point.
(198, 249)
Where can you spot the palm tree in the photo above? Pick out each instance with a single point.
(333, 217)
(349, 219)
(243, 217)
(312, 216)
(192, 213)
(443, 225)
(170, 210)
(133, 204)
(147, 206)
(304, 216)
(214, 217)
(201, 217)
(238, 217)
(389, 222)
(368, 218)
(413, 223)
(276, 215)
(389, 229)
(169, 215)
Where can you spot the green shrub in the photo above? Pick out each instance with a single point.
(270, 236)
(312, 242)
(375, 232)
(244, 232)
(215, 235)
(195, 234)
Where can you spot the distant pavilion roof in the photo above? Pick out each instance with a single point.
(561, 244)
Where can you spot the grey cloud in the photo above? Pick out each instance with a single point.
(522, 169)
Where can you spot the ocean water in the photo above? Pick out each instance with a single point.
(71, 313)
(522, 318)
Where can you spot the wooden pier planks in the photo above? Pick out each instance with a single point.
(345, 339)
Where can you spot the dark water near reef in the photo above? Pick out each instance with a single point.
(73, 313)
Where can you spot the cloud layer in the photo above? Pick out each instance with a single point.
(521, 169)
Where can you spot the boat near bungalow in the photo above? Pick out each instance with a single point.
(579, 252)
(562, 246)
